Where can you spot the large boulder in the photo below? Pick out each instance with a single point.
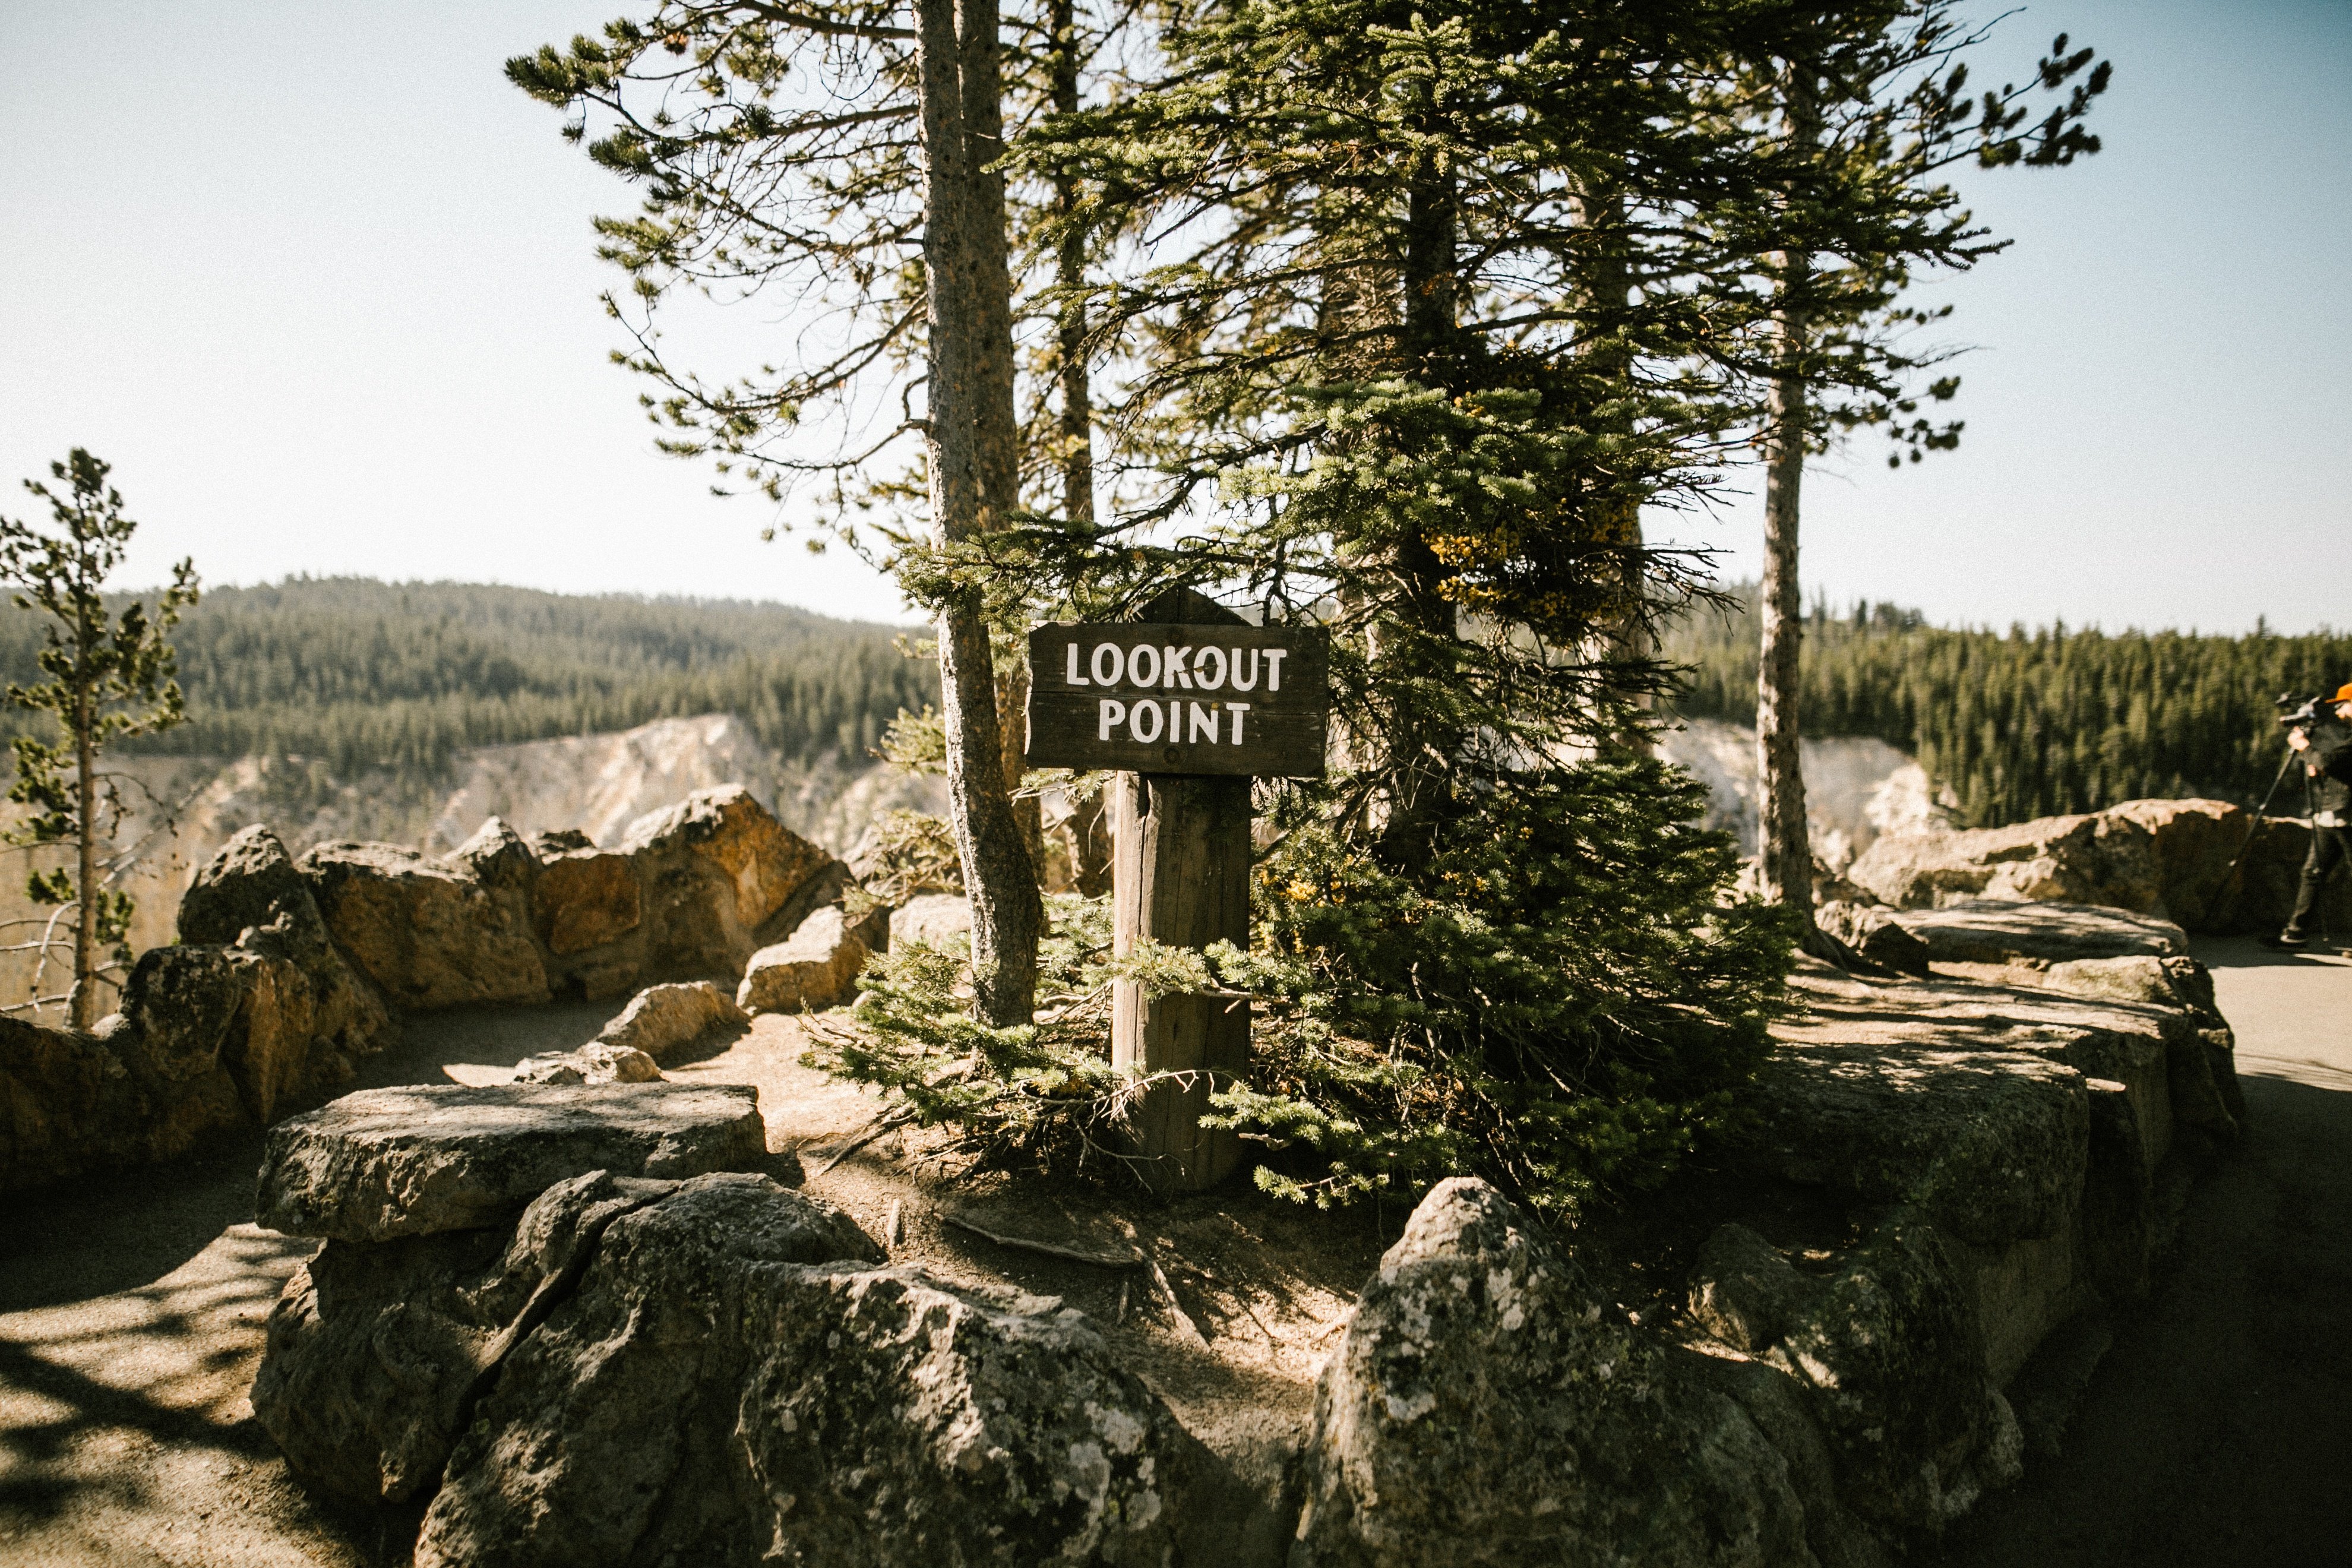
(251, 896)
(391, 1163)
(586, 898)
(1484, 1408)
(1989, 930)
(1891, 1356)
(71, 1103)
(1947, 1114)
(714, 1392)
(664, 1020)
(722, 878)
(2088, 860)
(377, 1351)
(2204, 864)
(428, 933)
(817, 967)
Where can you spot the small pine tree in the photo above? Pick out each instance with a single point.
(107, 679)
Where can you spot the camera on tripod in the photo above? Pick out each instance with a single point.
(2302, 713)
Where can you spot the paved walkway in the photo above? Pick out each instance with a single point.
(2218, 1432)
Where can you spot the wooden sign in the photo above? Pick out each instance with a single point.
(1166, 698)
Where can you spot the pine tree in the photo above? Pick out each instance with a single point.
(1871, 108)
(109, 677)
(1420, 331)
(837, 147)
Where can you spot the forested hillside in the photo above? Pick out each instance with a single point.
(362, 675)
(2030, 723)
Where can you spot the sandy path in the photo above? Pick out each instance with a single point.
(131, 1318)
(2218, 1431)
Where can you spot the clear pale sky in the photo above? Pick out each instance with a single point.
(320, 284)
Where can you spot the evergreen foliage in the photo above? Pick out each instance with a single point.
(104, 676)
(2020, 724)
(1559, 999)
(365, 675)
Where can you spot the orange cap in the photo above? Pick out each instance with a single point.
(2344, 692)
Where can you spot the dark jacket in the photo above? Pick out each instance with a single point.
(2331, 753)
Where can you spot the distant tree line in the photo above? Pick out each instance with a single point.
(362, 675)
(2030, 723)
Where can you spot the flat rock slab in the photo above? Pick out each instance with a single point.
(1993, 930)
(415, 1161)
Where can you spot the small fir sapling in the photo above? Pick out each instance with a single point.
(110, 677)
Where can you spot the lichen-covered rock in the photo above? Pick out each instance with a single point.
(1991, 1142)
(662, 1019)
(1743, 1292)
(377, 1351)
(817, 967)
(598, 1061)
(414, 1162)
(712, 1394)
(1892, 1363)
(427, 935)
(1482, 1409)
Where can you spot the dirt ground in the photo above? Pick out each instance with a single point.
(132, 1310)
(2218, 1432)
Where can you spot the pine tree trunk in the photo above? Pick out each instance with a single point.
(1089, 828)
(995, 417)
(1070, 272)
(82, 1005)
(970, 448)
(1785, 849)
(1421, 735)
(1607, 284)
(1785, 845)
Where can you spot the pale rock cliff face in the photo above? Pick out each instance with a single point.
(179, 811)
(1856, 787)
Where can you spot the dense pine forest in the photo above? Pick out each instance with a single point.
(2030, 723)
(365, 675)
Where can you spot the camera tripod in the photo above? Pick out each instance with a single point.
(2310, 815)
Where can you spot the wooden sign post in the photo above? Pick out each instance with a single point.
(1188, 704)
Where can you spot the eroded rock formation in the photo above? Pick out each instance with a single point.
(2169, 858)
(289, 972)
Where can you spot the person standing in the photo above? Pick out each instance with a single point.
(2326, 748)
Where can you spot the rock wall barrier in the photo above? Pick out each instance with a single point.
(289, 972)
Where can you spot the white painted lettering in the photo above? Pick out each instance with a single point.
(1238, 709)
(1205, 719)
(1135, 726)
(1274, 657)
(1239, 684)
(1135, 660)
(1172, 660)
(1201, 676)
(1071, 675)
(1107, 674)
(1111, 715)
